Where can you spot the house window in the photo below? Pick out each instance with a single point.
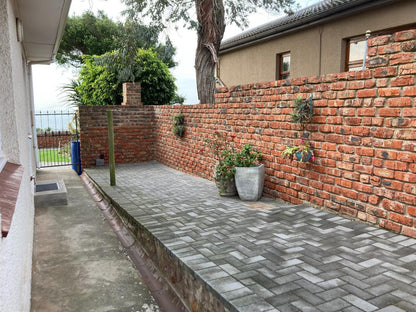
(283, 66)
(356, 48)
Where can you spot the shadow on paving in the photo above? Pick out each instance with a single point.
(78, 263)
(267, 256)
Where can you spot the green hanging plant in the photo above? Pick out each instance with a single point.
(303, 111)
(179, 125)
(302, 114)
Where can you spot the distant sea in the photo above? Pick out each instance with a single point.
(53, 120)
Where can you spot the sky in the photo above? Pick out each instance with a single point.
(49, 79)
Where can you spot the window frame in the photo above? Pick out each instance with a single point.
(387, 31)
(279, 66)
(354, 64)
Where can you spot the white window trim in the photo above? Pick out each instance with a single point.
(3, 162)
(3, 159)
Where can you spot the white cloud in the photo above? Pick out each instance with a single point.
(48, 81)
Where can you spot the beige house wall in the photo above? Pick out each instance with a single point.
(316, 50)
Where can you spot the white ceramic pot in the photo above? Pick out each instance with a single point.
(249, 182)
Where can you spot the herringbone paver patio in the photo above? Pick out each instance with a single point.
(268, 255)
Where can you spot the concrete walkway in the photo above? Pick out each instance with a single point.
(78, 263)
(267, 256)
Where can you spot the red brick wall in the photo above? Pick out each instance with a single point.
(132, 94)
(363, 132)
(133, 134)
(54, 139)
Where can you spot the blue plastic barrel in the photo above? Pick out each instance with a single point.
(76, 157)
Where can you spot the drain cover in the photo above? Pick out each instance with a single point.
(46, 187)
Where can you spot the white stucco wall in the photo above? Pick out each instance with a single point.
(8, 120)
(16, 248)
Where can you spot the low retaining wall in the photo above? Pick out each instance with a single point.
(194, 292)
(363, 133)
(173, 284)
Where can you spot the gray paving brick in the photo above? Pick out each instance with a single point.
(370, 262)
(311, 269)
(359, 292)
(289, 258)
(261, 291)
(400, 277)
(229, 269)
(352, 276)
(409, 296)
(380, 289)
(238, 293)
(353, 281)
(289, 278)
(258, 306)
(304, 284)
(332, 294)
(377, 280)
(328, 284)
(333, 305)
(226, 284)
(405, 305)
(284, 289)
(264, 281)
(360, 303)
(385, 300)
(278, 301)
(391, 308)
(395, 268)
(310, 277)
(407, 242)
(308, 297)
(351, 309)
(303, 306)
(202, 265)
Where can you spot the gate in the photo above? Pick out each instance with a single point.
(58, 139)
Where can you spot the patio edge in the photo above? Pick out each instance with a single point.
(180, 283)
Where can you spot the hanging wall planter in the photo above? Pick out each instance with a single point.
(179, 125)
(302, 114)
(303, 157)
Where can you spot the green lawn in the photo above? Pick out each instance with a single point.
(53, 155)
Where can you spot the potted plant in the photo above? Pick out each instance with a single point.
(225, 174)
(303, 152)
(249, 174)
(223, 152)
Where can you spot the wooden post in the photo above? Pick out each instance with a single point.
(111, 147)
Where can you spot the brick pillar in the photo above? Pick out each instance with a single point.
(132, 94)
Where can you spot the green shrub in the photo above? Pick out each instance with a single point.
(101, 78)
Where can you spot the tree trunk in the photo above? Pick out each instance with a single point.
(210, 14)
